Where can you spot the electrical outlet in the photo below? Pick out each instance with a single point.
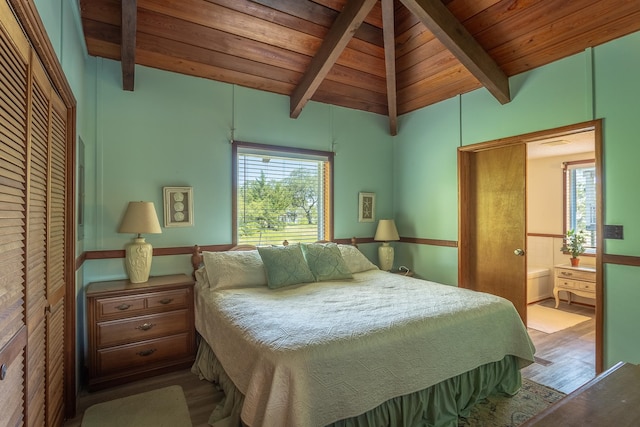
(613, 232)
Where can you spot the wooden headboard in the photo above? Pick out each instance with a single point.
(197, 260)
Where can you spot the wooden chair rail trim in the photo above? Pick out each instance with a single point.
(432, 242)
(188, 250)
(633, 261)
(559, 236)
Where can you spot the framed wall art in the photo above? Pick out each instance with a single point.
(366, 207)
(178, 206)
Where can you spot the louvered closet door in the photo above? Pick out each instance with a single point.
(14, 51)
(46, 253)
(56, 251)
(37, 245)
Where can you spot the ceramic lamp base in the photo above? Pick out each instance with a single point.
(138, 260)
(385, 256)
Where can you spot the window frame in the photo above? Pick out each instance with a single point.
(566, 168)
(328, 213)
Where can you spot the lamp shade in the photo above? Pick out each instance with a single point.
(386, 231)
(140, 218)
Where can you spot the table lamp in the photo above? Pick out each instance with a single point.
(386, 232)
(139, 218)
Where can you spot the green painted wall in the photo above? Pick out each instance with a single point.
(426, 189)
(598, 83)
(174, 130)
(51, 13)
(617, 94)
(551, 96)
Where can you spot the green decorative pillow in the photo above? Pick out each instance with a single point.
(285, 266)
(326, 262)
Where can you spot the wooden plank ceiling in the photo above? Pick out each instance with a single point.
(389, 57)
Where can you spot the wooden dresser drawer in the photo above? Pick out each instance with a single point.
(169, 300)
(141, 328)
(587, 286)
(131, 356)
(564, 273)
(135, 305)
(120, 306)
(567, 284)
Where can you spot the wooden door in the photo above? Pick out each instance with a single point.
(493, 222)
(36, 271)
(45, 283)
(57, 262)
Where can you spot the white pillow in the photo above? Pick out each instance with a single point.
(234, 269)
(355, 260)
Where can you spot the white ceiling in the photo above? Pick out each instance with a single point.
(561, 145)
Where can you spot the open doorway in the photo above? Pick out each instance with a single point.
(561, 299)
(492, 259)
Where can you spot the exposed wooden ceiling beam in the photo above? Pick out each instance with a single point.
(455, 37)
(388, 26)
(343, 29)
(128, 45)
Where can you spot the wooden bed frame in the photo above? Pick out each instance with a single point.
(197, 260)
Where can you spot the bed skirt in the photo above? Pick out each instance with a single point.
(439, 405)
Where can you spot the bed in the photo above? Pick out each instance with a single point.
(349, 345)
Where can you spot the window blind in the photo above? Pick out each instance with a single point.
(281, 195)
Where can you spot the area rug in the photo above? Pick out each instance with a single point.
(509, 411)
(164, 407)
(551, 320)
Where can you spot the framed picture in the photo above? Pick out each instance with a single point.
(178, 206)
(366, 207)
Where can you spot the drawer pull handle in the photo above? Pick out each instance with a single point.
(145, 353)
(166, 300)
(3, 371)
(145, 326)
(564, 273)
(123, 306)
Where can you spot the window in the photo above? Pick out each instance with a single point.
(580, 200)
(281, 194)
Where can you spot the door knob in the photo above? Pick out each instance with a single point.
(519, 252)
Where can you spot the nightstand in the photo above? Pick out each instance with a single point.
(137, 330)
(577, 280)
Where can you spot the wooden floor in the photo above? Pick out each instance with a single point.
(567, 360)
(567, 357)
(201, 395)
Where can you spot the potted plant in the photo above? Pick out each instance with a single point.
(574, 245)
